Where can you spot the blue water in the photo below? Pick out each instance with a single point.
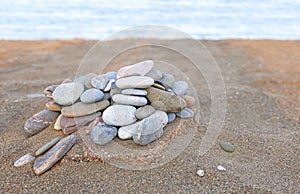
(91, 19)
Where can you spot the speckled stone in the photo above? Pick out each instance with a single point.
(49, 90)
(228, 147)
(102, 134)
(135, 82)
(144, 112)
(47, 146)
(185, 113)
(91, 95)
(80, 109)
(67, 94)
(27, 158)
(119, 115)
(141, 68)
(129, 100)
(180, 87)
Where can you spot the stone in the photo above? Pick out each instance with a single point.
(101, 81)
(67, 94)
(228, 147)
(165, 101)
(91, 95)
(158, 86)
(79, 80)
(52, 105)
(114, 89)
(46, 161)
(221, 168)
(171, 117)
(167, 79)
(71, 124)
(141, 68)
(27, 158)
(102, 134)
(185, 113)
(80, 109)
(154, 74)
(200, 173)
(135, 82)
(189, 100)
(129, 100)
(57, 123)
(88, 79)
(180, 88)
(49, 90)
(93, 124)
(144, 112)
(47, 146)
(108, 86)
(151, 128)
(39, 122)
(135, 92)
(66, 81)
(119, 115)
(106, 96)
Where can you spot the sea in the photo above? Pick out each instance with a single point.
(100, 19)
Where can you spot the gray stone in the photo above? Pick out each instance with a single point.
(155, 74)
(171, 117)
(114, 89)
(129, 100)
(91, 95)
(135, 82)
(67, 94)
(47, 146)
(228, 147)
(102, 134)
(144, 112)
(185, 113)
(46, 161)
(39, 122)
(167, 79)
(119, 115)
(79, 80)
(135, 92)
(101, 81)
(27, 158)
(180, 88)
(141, 68)
(88, 79)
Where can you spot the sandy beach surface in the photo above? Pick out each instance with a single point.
(262, 79)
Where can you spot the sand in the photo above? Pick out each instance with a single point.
(262, 121)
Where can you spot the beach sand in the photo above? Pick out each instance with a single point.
(262, 79)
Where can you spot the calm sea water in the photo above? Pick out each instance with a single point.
(91, 19)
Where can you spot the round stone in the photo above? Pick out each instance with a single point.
(228, 147)
(135, 92)
(129, 100)
(102, 134)
(91, 96)
(144, 112)
(141, 68)
(67, 94)
(171, 117)
(119, 115)
(135, 82)
(180, 88)
(185, 113)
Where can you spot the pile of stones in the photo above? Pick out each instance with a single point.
(136, 103)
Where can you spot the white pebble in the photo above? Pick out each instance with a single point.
(221, 168)
(24, 160)
(201, 173)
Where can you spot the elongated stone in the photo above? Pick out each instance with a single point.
(46, 161)
(57, 123)
(185, 113)
(228, 147)
(47, 146)
(129, 100)
(135, 82)
(141, 68)
(27, 158)
(134, 92)
(119, 115)
(80, 109)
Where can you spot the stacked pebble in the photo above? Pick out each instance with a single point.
(136, 102)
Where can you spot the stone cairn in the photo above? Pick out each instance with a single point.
(136, 103)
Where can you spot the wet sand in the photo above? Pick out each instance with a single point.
(262, 79)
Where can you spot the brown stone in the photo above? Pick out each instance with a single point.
(51, 105)
(189, 100)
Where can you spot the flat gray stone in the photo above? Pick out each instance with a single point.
(27, 158)
(141, 68)
(47, 146)
(46, 161)
(101, 81)
(129, 100)
(119, 115)
(171, 117)
(167, 79)
(91, 95)
(185, 113)
(67, 94)
(134, 92)
(228, 147)
(144, 112)
(180, 88)
(135, 82)
(102, 134)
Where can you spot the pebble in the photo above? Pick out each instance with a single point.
(93, 124)
(228, 147)
(119, 115)
(171, 117)
(141, 68)
(189, 100)
(185, 113)
(129, 100)
(135, 92)
(165, 101)
(151, 128)
(167, 79)
(87, 80)
(135, 82)
(114, 89)
(221, 168)
(108, 86)
(91, 95)
(158, 86)
(102, 134)
(49, 90)
(155, 74)
(71, 124)
(101, 81)
(80, 109)
(80, 80)
(180, 88)
(67, 94)
(27, 158)
(57, 123)
(46, 161)
(52, 105)
(144, 112)
(66, 81)
(39, 122)
(201, 172)
(47, 146)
